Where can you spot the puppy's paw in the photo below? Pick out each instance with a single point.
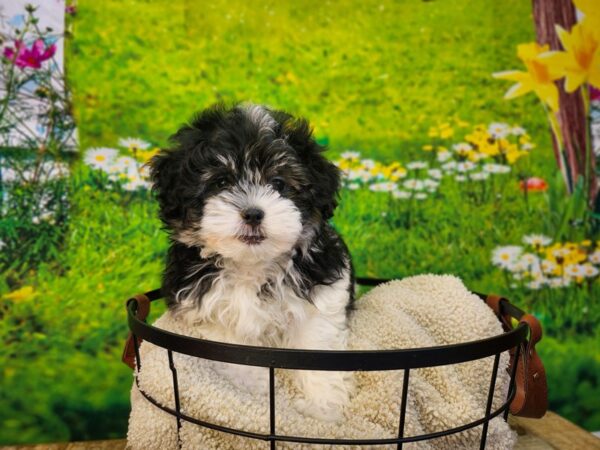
(326, 412)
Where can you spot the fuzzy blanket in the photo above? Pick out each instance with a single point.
(421, 311)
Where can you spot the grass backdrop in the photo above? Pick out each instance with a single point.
(371, 76)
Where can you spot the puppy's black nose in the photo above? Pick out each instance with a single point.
(253, 216)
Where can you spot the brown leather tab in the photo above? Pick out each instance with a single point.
(493, 301)
(143, 309)
(531, 397)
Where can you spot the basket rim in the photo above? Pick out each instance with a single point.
(329, 360)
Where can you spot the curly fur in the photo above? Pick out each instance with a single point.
(246, 196)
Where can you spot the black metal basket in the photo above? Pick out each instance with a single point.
(272, 358)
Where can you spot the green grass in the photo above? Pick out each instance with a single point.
(371, 76)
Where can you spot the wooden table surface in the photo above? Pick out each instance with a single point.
(549, 433)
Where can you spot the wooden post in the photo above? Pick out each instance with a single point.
(571, 116)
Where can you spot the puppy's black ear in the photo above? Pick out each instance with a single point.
(165, 171)
(325, 181)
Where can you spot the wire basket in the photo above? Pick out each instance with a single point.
(355, 360)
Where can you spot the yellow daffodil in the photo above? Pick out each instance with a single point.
(539, 78)
(580, 61)
(591, 13)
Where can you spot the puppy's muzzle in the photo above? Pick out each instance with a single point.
(253, 216)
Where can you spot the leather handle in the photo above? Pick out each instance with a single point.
(142, 311)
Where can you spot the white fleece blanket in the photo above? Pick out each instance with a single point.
(420, 311)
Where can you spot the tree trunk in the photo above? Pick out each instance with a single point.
(571, 116)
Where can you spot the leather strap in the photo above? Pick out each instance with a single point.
(143, 309)
(531, 396)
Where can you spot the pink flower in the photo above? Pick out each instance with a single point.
(71, 9)
(534, 185)
(29, 57)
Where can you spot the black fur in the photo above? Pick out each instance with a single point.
(189, 172)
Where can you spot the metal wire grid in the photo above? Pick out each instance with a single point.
(273, 358)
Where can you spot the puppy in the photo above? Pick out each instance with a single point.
(246, 196)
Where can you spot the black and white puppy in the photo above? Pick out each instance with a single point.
(246, 195)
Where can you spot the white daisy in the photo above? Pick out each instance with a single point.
(462, 147)
(421, 196)
(402, 195)
(498, 130)
(590, 271)
(537, 284)
(479, 176)
(133, 144)
(460, 178)
(414, 165)
(368, 163)
(529, 259)
(449, 166)
(435, 173)
(413, 184)
(124, 164)
(496, 168)
(517, 130)
(595, 257)
(431, 184)
(518, 267)
(361, 175)
(100, 158)
(574, 270)
(506, 257)
(444, 156)
(547, 266)
(559, 282)
(135, 183)
(383, 187)
(465, 166)
(350, 155)
(537, 240)
(353, 186)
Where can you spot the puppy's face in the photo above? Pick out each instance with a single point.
(246, 184)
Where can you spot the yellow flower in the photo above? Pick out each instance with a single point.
(344, 164)
(591, 12)
(446, 133)
(428, 148)
(19, 294)
(145, 155)
(513, 156)
(539, 78)
(580, 61)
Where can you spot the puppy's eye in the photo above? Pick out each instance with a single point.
(278, 183)
(221, 182)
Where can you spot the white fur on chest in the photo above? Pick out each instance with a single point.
(237, 309)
